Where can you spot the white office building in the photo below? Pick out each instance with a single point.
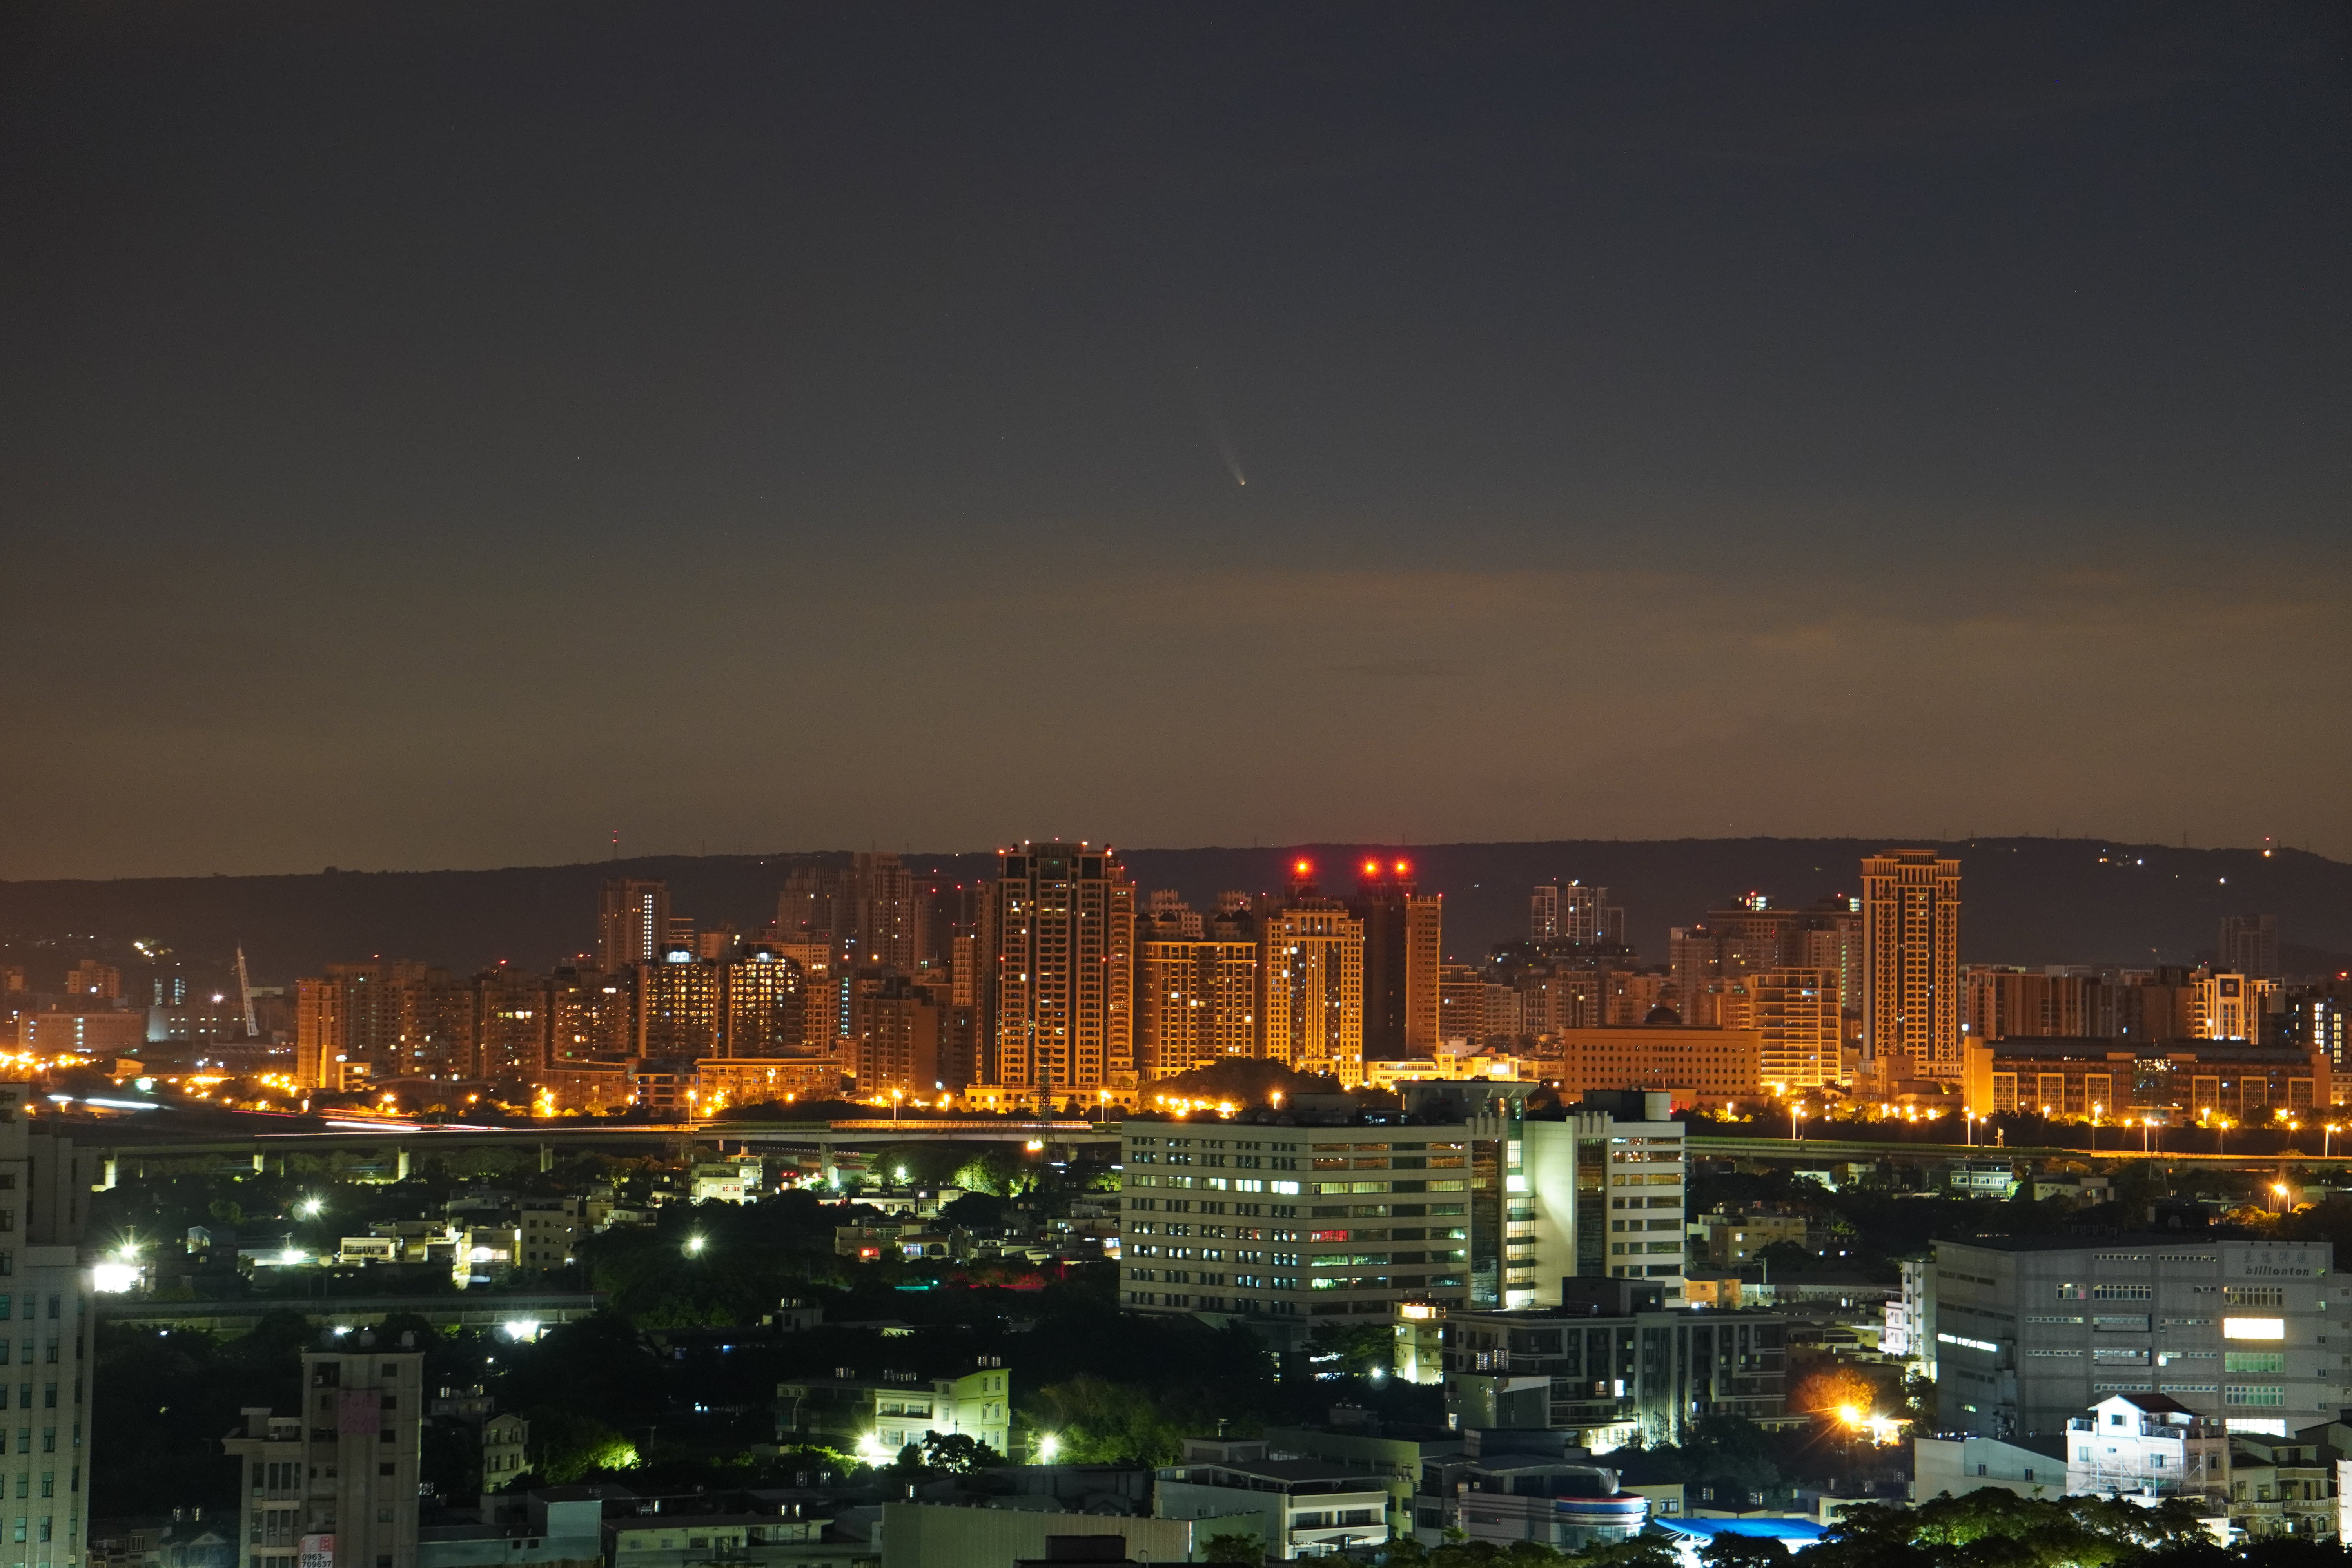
(1461, 1200)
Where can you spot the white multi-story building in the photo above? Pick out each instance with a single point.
(45, 1325)
(336, 1481)
(1461, 1200)
(2146, 1445)
(877, 1417)
(1910, 1332)
(2033, 1330)
(1301, 1508)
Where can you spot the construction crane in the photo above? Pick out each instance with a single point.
(245, 994)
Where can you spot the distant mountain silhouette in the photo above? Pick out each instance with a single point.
(2025, 901)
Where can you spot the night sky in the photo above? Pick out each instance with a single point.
(444, 435)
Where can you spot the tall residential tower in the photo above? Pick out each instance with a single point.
(1911, 965)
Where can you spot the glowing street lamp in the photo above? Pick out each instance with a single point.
(693, 1246)
(2327, 1135)
(1048, 1445)
(1796, 1122)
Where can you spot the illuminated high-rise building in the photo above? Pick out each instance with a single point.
(895, 1025)
(678, 1006)
(1573, 913)
(512, 1024)
(591, 1015)
(1196, 988)
(91, 978)
(1911, 965)
(819, 903)
(1794, 1012)
(763, 1003)
(1403, 939)
(632, 923)
(1543, 913)
(362, 1022)
(1060, 937)
(1311, 982)
(886, 927)
(1461, 1004)
(2229, 1006)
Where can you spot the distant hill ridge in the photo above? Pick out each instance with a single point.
(2025, 901)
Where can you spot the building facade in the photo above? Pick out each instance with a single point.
(1611, 1379)
(1061, 935)
(1486, 1210)
(876, 1418)
(1911, 965)
(336, 1481)
(1403, 944)
(2031, 1332)
(632, 923)
(47, 1325)
(2146, 1445)
(1311, 984)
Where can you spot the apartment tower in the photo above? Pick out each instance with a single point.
(1911, 965)
(1403, 939)
(632, 923)
(1311, 982)
(1061, 939)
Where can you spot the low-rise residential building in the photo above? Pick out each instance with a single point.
(183, 1539)
(2281, 1487)
(734, 1181)
(1301, 1508)
(1983, 1178)
(548, 1231)
(555, 1529)
(879, 1415)
(2146, 1445)
(689, 1540)
(506, 1452)
(2029, 1466)
(1732, 1240)
(1401, 1459)
(926, 1535)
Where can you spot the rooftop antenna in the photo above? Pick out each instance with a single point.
(245, 994)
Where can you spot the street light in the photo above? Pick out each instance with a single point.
(2328, 1134)
(1796, 1122)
